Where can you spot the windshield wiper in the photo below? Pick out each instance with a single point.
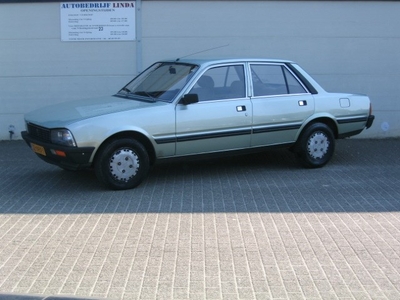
(145, 94)
(142, 95)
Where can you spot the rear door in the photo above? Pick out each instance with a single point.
(281, 104)
(222, 118)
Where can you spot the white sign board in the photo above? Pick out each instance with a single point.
(97, 21)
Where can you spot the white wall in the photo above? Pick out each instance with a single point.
(347, 46)
(37, 69)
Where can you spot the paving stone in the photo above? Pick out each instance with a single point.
(248, 227)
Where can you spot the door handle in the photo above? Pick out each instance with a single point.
(302, 102)
(240, 108)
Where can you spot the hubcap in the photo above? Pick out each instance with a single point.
(318, 145)
(124, 164)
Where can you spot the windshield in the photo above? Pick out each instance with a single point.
(162, 81)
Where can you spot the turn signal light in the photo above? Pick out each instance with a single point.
(58, 153)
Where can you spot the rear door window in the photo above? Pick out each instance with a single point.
(271, 79)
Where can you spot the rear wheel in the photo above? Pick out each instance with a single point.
(122, 164)
(315, 146)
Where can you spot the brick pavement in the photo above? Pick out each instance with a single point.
(249, 227)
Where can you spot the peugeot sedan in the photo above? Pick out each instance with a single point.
(187, 107)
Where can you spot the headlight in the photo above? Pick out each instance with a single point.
(62, 137)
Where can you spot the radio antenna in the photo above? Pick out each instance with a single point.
(202, 51)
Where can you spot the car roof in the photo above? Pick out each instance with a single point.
(213, 61)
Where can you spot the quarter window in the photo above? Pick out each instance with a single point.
(274, 80)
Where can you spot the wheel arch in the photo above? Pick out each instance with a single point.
(330, 122)
(140, 137)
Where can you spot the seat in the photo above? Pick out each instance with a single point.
(237, 89)
(206, 90)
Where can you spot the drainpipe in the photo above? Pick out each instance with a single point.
(139, 64)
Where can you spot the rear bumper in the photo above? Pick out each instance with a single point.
(370, 120)
(72, 158)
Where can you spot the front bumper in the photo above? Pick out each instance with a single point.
(72, 158)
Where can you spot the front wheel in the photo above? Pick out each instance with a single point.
(315, 146)
(122, 164)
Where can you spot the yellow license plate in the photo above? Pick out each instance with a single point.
(38, 149)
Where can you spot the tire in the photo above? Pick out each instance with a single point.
(122, 164)
(315, 146)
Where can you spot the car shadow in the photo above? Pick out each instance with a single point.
(363, 176)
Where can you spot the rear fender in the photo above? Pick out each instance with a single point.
(327, 119)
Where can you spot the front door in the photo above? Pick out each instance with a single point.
(222, 118)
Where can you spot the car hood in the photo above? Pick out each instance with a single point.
(62, 114)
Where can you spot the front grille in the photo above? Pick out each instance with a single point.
(40, 133)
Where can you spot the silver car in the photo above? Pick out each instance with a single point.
(193, 107)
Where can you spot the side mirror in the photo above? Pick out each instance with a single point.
(189, 99)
